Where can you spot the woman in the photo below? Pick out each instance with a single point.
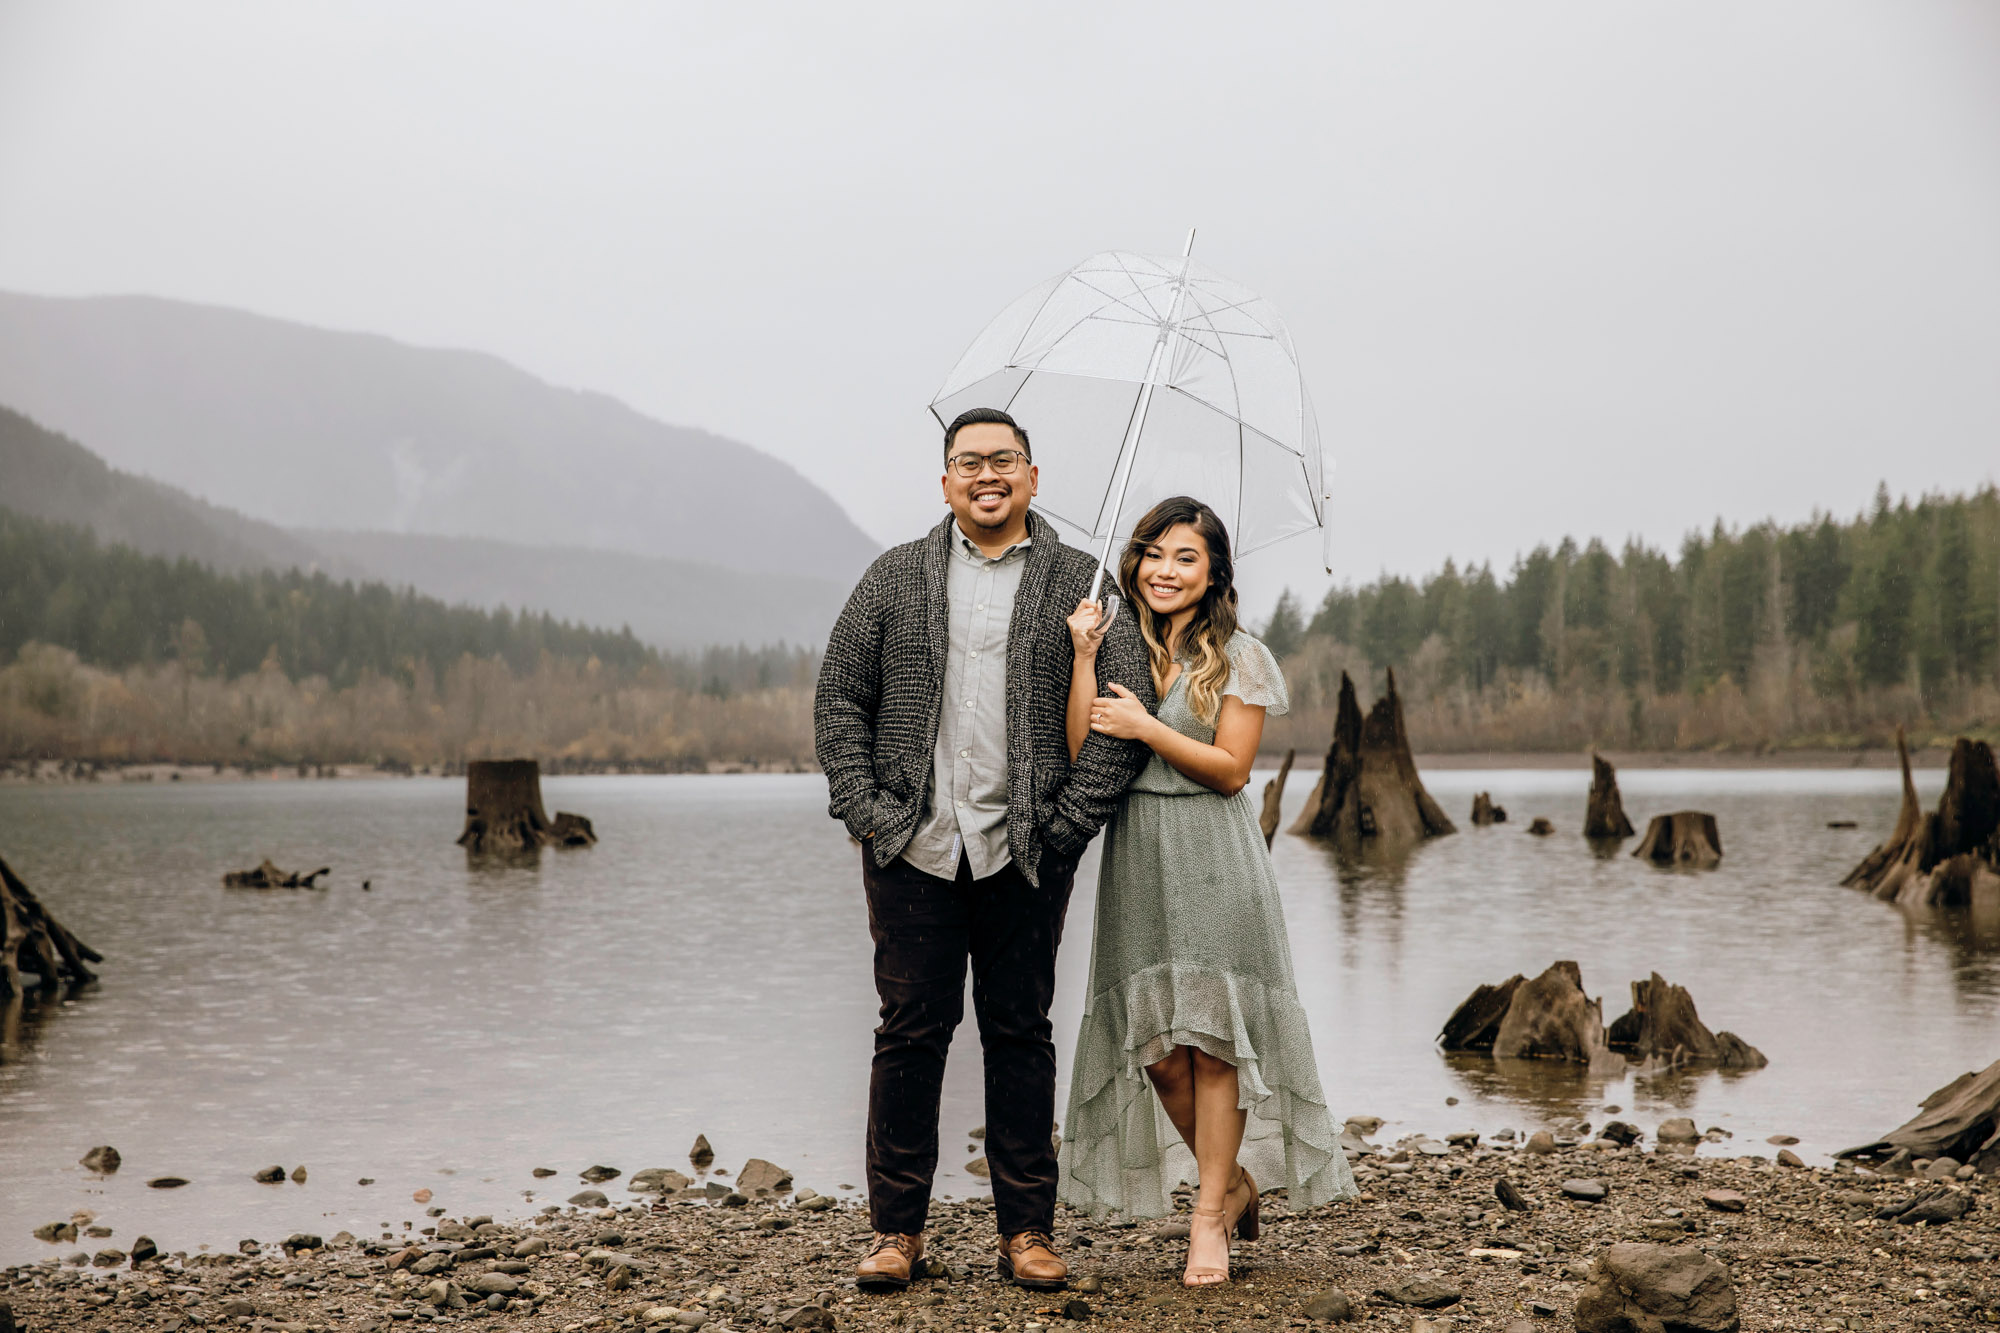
(1191, 985)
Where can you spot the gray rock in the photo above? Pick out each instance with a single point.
(657, 1180)
(1936, 1207)
(56, 1233)
(302, 1240)
(435, 1293)
(805, 1316)
(298, 1175)
(1432, 1148)
(1620, 1133)
(1510, 1196)
(819, 1203)
(1725, 1201)
(431, 1263)
(1541, 1142)
(758, 1174)
(1331, 1307)
(1076, 1309)
(1942, 1168)
(1361, 1126)
(1786, 1157)
(1635, 1287)
(597, 1175)
(589, 1199)
(493, 1284)
(1425, 1293)
(542, 1172)
(701, 1154)
(1590, 1191)
(1680, 1129)
(107, 1258)
(143, 1249)
(531, 1247)
(104, 1160)
(1171, 1231)
(270, 1175)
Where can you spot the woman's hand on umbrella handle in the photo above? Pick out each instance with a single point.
(1086, 629)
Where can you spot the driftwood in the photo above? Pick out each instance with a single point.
(1663, 1030)
(1274, 798)
(268, 876)
(1961, 1121)
(1604, 817)
(1484, 812)
(1370, 788)
(504, 812)
(31, 940)
(1683, 838)
(1941, 859)
(1548, 1018)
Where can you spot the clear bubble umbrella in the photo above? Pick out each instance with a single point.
(1144, 376)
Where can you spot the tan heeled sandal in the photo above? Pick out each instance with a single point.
(1245, 1220)
(1206, 1275)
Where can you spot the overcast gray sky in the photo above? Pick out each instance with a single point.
(1577, 267)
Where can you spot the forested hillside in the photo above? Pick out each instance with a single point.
(1825, 633)
(107, 653)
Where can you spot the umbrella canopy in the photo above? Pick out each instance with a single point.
(1144, 376)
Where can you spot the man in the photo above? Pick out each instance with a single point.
(940, 723)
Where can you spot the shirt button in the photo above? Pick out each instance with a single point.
(975, 652)
(965, 754)
(980, 607)
(968, 703)
(961, 805)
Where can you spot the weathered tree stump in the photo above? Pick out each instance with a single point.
(31, 940)
(568, 830)
(1484, 812)
(269, 876)
(1961, 1120)
(1604, 816)
(1548, 1018)
(1370, 788)
(1664, 1031)
(1945, 858)
(504, 812)
(1475, 1023)
(1541, 827)
(1683, 838)
(1274, 799)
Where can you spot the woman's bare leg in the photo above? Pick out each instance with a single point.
(1173, 1082)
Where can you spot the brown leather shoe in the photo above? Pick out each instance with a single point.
(1029, 1259)
(890, 1262)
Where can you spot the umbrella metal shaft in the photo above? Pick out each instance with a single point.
(1128, 449)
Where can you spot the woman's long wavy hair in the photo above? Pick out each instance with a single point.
(1205, 645)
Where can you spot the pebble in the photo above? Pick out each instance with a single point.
(1590, 1191)
(1725, 1201)
(103, 1160)
(1541, 1142)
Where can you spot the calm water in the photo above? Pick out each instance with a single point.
(705, 970)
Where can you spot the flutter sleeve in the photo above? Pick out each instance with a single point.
(1254, 676)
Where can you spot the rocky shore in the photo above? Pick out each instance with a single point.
(1520, 1234)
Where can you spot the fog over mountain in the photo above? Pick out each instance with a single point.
(308, 427)
(674, 604)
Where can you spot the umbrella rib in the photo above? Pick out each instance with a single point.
(1014, 357)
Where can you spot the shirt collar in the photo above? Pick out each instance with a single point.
(968, 547)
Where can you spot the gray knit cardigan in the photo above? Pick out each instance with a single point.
(881, 689)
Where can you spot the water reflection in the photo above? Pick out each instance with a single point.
(1605, 849)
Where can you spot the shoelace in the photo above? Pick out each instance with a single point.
(1034, 1238)
(885, 1240)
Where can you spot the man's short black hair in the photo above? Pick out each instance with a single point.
(986, 416)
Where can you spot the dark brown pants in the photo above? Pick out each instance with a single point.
(925, 931)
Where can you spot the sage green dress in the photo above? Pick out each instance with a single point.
(1190, 950)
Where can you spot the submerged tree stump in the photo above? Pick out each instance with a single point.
(1548, 1018)
(1274, 799)
(31, 940)
(1604, 817)
(504, 812)
(1370, 789)
(269, 876)
(1484, 812)
(1664, 1031)
(1945, 858)
(1961, 1121)
(1683, 838)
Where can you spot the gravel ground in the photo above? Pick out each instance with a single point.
(1807, 1251)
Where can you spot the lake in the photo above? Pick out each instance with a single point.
(705, 969)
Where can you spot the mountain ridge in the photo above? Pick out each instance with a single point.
(310, 427)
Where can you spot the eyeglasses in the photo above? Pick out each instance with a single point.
(1002, 461)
